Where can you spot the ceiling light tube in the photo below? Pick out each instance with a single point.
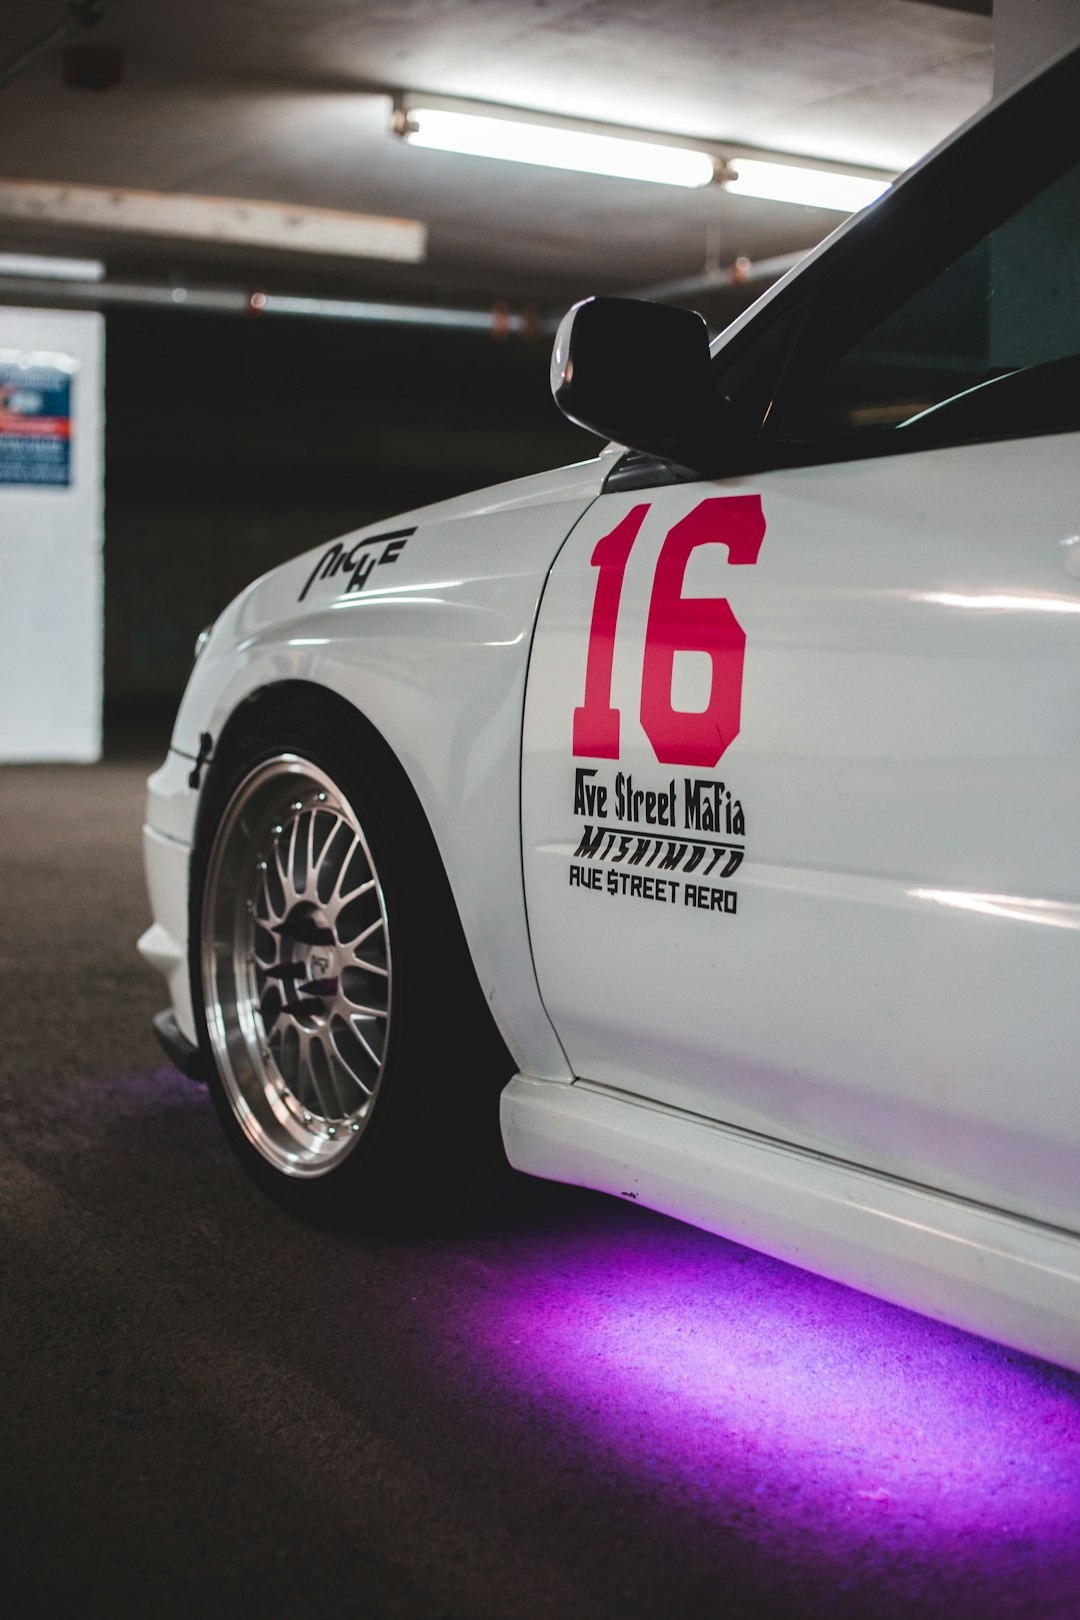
(553, 146)
(814, 188)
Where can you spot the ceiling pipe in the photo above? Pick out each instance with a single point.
(496, 322)
(743, 273)
(78, 15)
(753, 273)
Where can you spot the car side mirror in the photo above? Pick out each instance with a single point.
(641, 374)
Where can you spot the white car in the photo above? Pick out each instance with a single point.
(704, 817)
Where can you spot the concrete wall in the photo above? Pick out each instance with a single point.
(1028, 33)
(236, 444)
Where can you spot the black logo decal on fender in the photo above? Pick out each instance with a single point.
(358, 561)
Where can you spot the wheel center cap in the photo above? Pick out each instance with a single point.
(309, 965)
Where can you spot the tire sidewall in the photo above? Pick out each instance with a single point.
(419, 1140)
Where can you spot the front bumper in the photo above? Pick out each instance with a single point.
(181, 1053)
(168, 834)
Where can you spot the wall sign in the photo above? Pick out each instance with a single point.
(35, 417)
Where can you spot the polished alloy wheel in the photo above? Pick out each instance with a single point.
(296, 966)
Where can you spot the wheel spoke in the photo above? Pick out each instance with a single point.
(296, 957)
(294, 828)
(270, 1006)
(342, 1035)
(344, 900)
(364, 935)
(315, 1082)
(347, 860)
(336, 1075)
(362, 983)
(350, 1088)
(332, 861)
(282, 875)
(266, 902)
(356, 1025)
(309, 852)
(365, 1012)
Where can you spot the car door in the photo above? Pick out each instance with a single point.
(801, 762)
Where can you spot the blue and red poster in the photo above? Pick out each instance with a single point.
(35, 419)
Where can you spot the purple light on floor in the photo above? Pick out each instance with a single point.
(806, 1414)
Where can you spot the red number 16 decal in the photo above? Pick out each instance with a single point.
(676, 623)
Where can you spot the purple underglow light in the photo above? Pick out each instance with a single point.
(804, 1413)
(823, 1441)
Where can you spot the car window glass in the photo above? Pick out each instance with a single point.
(988, 347)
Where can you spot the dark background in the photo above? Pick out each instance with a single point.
(232, 445)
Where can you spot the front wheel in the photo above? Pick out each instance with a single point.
(353, 1061)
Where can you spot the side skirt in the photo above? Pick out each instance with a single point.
(978, 1268)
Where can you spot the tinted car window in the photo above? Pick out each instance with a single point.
(988, 347)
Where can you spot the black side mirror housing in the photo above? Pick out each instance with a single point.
(641, 374)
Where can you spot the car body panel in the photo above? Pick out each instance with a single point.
(432, 650)
(905, 952)
(168, 829)
(863, 1056)
(962, 1262)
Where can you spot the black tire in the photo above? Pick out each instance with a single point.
(426, 1143)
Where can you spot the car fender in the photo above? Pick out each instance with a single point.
(424, 625)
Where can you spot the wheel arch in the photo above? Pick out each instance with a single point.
(262, 702)
(434, 658)
(486, 911)
(296, 1069)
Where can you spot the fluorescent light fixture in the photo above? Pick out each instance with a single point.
(38, 264)
(553, 146)
(815, 188)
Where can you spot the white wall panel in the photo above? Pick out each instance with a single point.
(51, 578)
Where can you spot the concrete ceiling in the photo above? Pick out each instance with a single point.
(287, 101)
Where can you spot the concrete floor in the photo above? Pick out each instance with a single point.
(574, 1408)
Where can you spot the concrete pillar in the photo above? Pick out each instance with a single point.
(51, 512)
(1028, 33)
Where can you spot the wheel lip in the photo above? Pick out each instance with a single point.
(310, 1155)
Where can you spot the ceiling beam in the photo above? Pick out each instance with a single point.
(232, 220)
